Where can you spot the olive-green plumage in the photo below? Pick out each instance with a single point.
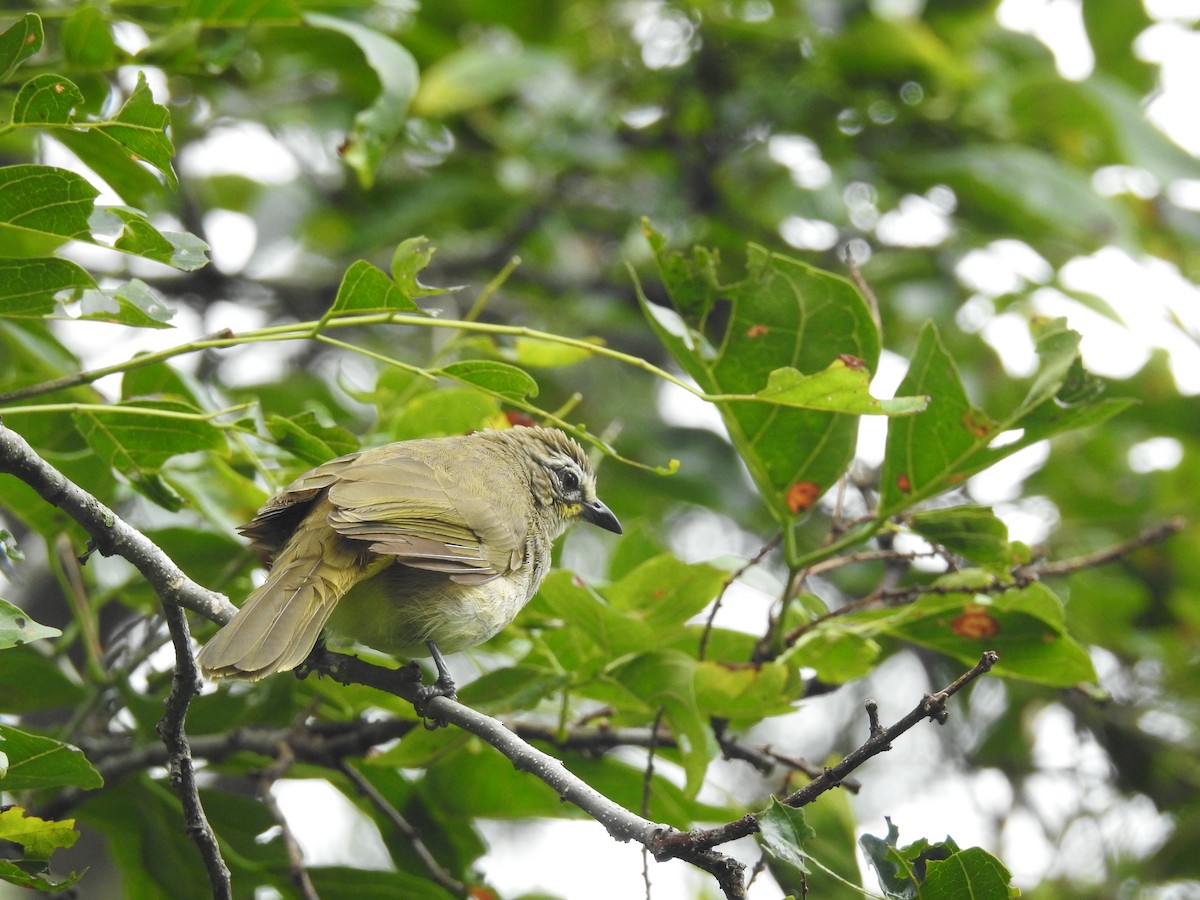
(440, 540)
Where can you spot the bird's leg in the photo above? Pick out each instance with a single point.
(442, 687)
(306, 668)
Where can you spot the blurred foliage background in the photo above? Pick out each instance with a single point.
(970, 182)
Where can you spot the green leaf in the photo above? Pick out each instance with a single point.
(39, 837)
(19, 41)
(494, 377)
(411, 258)
(837, 654)
(782, 314)
(592, 620)
(179, 249)
(31, 681)
(153, 856)
(442, 412)
(46, 100)
(157, 380)
(31, 287)
(894, 867)
(236, 13)
(17, 628)
(1026, 626)
(87, 39)
(953, 440)
(140, 127)
(973, 532)
(37, 763)
(343, 881)
(842, 387)
(311, 441)
(667, 679)
(378, 125)
(539, 354)
(744, 693)
(134, 303)
(139, 437)
(664, 592)
(36, 881)
(45, 201)
(783, 832)
(367, 288)
(478, 75)
(973, 873)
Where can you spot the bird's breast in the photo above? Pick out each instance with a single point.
(400, 608)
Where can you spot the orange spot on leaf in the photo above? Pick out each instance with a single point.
(903, 482)
(802, 495)
(975, 623)
(978, 427)
(757, 330)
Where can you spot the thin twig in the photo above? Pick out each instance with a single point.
(295, 855)
(647, 780)
(1019, 577)
(1151, 535)
(725, 585)
(684, 845)
(856, 277)
(410, 834)
(185, 684)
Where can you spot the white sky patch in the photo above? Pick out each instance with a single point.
(683, 410)
(872, 430)
(340, 836)
(232, 238)
(1002, 481)
(1059, 25)
(246, 149)
(1009, 334)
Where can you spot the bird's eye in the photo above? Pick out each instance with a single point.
(569, 480)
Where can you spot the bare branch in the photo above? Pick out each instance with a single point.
(712, 615)
(1019, 577)
(185, 684)
(109, 534)
(296, 866)
(684, 845)
(401, 824)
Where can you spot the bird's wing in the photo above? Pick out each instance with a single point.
(272, 525)
(411, 510)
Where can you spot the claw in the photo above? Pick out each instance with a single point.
(442, 687)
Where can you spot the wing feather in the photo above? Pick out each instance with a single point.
(420, 513)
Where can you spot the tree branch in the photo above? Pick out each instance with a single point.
(1020, 576)
(185, 684)
(296, 867)
(401, 824)
(109, 534)
(685, 845)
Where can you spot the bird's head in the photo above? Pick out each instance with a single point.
(563, 483)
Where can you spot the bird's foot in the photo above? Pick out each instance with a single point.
(442, 687)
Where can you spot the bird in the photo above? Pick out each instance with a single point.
(413, 548)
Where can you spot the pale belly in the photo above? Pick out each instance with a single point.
(401, 608)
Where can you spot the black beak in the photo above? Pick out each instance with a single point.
(600, 515)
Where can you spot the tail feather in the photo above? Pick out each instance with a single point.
(279, 623)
